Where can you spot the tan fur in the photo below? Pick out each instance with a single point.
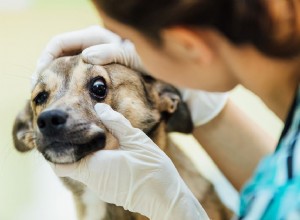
(145, 103)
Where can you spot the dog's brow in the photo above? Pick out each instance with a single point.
(89, 72)
(45, 81)
(90, 69)
(40, 86)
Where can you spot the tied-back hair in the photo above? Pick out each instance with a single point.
(241, 21)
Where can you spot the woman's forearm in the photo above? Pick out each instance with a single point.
(235, 143)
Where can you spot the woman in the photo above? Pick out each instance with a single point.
(209, 45)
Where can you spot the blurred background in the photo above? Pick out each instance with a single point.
(28, 188)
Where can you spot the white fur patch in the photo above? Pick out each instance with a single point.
(67, 156)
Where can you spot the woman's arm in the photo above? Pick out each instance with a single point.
(235, 143)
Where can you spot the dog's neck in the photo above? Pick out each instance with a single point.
(159, 135)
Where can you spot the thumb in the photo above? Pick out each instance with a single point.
(113, 121)
(120, 127)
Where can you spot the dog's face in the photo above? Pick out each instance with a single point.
(60, 120)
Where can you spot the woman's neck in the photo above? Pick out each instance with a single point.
(274, 80)
(276, 86)
(280, 100)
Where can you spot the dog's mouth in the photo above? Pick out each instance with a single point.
(68, 151)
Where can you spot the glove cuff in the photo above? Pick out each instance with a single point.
(204, 106)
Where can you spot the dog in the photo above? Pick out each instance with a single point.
(60, 122)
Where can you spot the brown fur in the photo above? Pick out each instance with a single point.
(151, 105)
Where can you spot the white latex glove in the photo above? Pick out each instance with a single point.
(204, 106)
(122, 53)
(138, 176)
(108, 48)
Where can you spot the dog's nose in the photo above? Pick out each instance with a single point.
(51, 122)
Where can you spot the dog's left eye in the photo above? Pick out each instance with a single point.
(41, 98)
(98, 89)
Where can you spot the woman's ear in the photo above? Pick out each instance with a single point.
(188, 43)
(23, 134)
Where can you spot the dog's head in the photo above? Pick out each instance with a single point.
(60, 120)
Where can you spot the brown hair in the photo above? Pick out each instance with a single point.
(241, 21)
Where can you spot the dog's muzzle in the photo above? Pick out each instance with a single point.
(62, 143)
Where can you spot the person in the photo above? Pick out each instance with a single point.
(213, 46)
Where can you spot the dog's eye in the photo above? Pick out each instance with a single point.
(98, 88)
(41, 98)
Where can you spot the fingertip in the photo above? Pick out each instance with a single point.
(85, 53)
(101, 108)
(88, 57)
(111, 119)
(44, 61)
(97, 55)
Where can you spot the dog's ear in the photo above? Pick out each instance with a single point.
(176, 112)
(23, 134)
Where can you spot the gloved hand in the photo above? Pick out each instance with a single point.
(110, 48)
(138, 176)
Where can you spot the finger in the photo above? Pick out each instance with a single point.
(64, 170)
(74, 42)
(102, 54)
(120, 127)
(79, 40)
(123, 53)
(114, 121)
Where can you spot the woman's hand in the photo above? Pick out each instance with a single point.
(104, 47)
(138, 176)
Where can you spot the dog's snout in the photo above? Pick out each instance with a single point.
(50, 122)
